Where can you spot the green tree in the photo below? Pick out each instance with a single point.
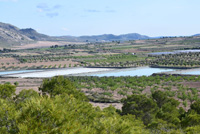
(196, 107)
(25, 95)
(168, 108)
(8, 117)
(161, 98)
(7, 91)
(140, 106)
(65, 114)
(60, 85)
(16, 83)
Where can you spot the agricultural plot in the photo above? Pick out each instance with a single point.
(109, 54)
(185, 60)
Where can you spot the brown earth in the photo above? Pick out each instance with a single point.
(24, 83)
(132, 50)
(191, 84)
(8, 62)
(40, 44)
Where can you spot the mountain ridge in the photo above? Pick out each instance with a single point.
(11, 35)
(33, 34)
(105, 37)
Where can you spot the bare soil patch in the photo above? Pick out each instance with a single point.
(11, 62)
(192, 84)
(104, 105)
(40, 44)
(23, 83)
(8, 60)
(133, 51)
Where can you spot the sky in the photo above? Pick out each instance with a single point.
(94, 17)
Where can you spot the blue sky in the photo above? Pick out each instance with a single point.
(93, 17)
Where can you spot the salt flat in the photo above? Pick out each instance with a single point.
(56, 72)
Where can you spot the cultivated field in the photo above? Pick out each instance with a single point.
(60, 54)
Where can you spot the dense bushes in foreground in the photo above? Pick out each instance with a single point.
(63, 109)
(66, 112)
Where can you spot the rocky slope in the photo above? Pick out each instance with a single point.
(11, 35)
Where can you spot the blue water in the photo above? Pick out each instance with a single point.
(15, 72)
(192, 73)
(146, 71)
(141, 71)
(176, 52)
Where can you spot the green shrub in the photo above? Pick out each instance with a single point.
(25, 95)
(7, 91)
(8, 117)
(16, 83)
(140, 106)
(60, 86)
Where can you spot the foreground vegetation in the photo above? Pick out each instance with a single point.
(61, 108)
(66, 110)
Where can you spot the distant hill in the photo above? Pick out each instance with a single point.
(196, 35)
(33, 34)
(106, 37)
(11, 35)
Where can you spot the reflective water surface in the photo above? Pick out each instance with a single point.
(140, 71)
(143, 71)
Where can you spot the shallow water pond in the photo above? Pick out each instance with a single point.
(142, 71)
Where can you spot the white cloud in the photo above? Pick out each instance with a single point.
(51, 15)
(65, 29)
(92, 11)
(44, 7)
(50, 11)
